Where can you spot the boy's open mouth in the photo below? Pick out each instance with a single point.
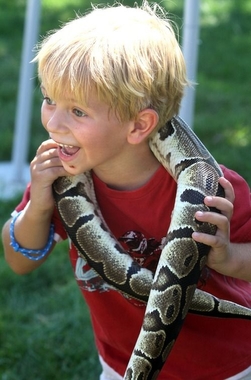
(68, 150)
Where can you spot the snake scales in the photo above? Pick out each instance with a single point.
(171, 292)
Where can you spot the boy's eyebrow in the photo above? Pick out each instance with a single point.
(73, 100)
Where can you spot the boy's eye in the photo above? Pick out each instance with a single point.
(78, 112)
(49, 100)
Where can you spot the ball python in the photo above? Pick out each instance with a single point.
(171, 292)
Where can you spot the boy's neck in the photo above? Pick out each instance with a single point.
(133, 173)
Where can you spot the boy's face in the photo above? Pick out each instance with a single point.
(89, 137)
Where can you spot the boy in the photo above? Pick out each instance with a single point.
(109, 80)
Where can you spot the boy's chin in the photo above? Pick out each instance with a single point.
(71, 170)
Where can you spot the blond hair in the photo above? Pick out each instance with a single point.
(130, 56)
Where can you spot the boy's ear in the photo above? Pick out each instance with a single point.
(143, 126)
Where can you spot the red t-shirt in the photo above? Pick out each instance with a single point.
(207, 348)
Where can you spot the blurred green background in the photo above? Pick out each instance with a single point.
(44, 324)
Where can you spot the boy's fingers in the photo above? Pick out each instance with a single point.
(225, 206)
(218, 220)
(228, 188)
(210, 240)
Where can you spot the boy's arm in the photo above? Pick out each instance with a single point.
(28, 234)
(31, 229)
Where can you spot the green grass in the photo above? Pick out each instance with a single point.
(222, 118)
(45, 329)
(44, 325)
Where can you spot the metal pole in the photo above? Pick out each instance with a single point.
(190, 50)
(24, 100)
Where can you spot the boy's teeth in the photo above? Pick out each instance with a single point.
(65, 146)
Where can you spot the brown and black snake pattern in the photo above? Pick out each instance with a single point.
(171, 292)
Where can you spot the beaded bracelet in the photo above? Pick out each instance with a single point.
(31, 254)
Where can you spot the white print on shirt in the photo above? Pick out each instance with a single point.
(145, 252)
(88, 279)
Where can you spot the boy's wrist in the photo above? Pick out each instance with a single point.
(31, 254)
(33, 213)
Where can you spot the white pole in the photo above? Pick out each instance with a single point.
(24, 100)
(190, 42)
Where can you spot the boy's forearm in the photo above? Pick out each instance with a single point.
(30, 232)
(239, 264)
(235, 263)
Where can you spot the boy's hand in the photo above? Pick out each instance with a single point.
(219, 242)
(45, 168)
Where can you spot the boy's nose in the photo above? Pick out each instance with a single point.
(57, 122)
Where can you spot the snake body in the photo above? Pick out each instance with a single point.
(171, 292)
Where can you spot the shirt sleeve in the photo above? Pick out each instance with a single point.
(60, 233)
(240, 224)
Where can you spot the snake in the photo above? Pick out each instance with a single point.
(171, 292)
